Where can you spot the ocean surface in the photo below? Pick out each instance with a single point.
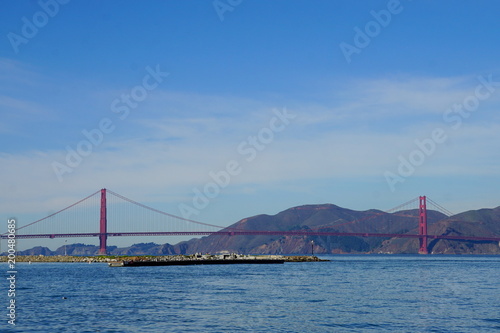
(351, 293)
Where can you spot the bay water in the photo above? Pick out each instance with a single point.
(350, 293)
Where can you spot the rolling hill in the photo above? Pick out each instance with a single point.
(325, 217)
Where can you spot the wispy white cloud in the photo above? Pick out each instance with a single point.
(176, 139)
(21, 107)
(399, 96)
(171, 170)
(16, 73)
(423, 95)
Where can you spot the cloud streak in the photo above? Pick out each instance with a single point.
(171, 143)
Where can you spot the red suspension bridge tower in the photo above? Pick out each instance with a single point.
(103, 224)
(422, 225)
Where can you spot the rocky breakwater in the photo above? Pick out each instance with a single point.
(303, 259)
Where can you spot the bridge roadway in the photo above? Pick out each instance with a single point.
(255, 233)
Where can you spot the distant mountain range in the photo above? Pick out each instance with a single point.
(326, 217)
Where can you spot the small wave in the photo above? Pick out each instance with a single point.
(354, 325)
(316, 301)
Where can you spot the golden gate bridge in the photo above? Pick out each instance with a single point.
(153, 222)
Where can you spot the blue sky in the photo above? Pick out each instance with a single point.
(227, 80)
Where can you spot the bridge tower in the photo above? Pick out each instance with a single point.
(103, 224)
(422, 226)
